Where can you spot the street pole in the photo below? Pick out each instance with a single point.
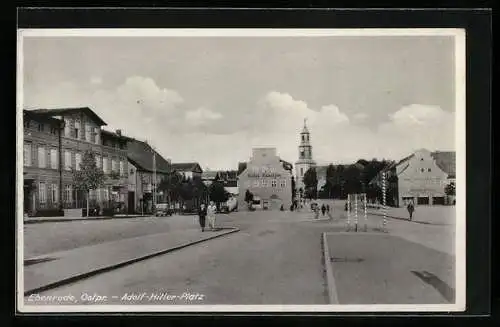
(356, 212)
(154, 178)
(383, 199)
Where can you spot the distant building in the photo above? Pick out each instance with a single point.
(305, 157)
(208, 177)
(188, 170)
(420, 177)
(54, 143)
(141, 171)
(268, 178)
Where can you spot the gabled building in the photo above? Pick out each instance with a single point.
(188, 170)
(210, 176)
(420, 177)
(54, 143)
(268, 178)
(144, 163)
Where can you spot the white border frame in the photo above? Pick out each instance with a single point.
(460, 137)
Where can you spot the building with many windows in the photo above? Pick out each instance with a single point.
(268, 178)
(54, 143)
(188, 170)
(420, 177)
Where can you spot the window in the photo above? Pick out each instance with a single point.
(98, 161)
(67, 127)
(421, 159)
(53, 130)
(122, 168)
(274, 183)
(105, 194)
(105, 164)
(40, 127)
(53, 158)
(113, 165)
(41, 157)
(265, 183)
(283, 183)
(303, 138)
(256, 183)
(67, 160)
(77, 129)
(421, 170)
(68, 194)
(78, 160)
(429, 170)
(42, 195)
(27, 154)
(26, 124)
(88, 133)
(301, 171)
(54, 193)
(96, 137)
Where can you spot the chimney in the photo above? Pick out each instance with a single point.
(119, 132)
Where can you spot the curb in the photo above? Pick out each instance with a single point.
(73, 279)
(61, 220)
(330, 280)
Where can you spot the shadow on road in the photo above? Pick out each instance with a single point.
(444, 289)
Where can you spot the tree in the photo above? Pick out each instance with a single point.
(294, 191)
(218, 193)
(88, 177)
(311, 183)
(449, 189)
(171, 185)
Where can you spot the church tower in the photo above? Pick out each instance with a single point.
(305, 157)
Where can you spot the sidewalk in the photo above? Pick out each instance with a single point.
(371, 268)
(55, 269)
(34, 220)
(430, 215)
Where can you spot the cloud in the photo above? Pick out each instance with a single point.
(96, 80)
(145, 110)
(202, 116)
(360, 116)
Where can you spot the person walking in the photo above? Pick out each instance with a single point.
(323, 209)
(211, 210)
(202, 214)
(411, 209)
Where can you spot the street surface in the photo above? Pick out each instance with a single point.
(276, 258)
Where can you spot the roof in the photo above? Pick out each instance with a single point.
(445, 160)
(185, 166)
(209, 174)
(115, 135)
(140, 154)
(41, 117)
(62, 111)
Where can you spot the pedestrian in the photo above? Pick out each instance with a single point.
(328, 208)
(211, 210)
(410, 208)
(202, 214)
(323, 209)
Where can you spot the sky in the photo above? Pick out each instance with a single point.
(210, 99)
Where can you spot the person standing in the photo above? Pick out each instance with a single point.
(202, 214)
(323, 209)
(211, 210)
(411, 209)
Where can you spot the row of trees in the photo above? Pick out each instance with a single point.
(176, 187)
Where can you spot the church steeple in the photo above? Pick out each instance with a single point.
(305, 155)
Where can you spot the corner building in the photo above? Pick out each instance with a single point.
(267, 178)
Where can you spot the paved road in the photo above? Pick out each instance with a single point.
(276, 258)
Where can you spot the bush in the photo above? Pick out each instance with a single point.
(49, 213)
